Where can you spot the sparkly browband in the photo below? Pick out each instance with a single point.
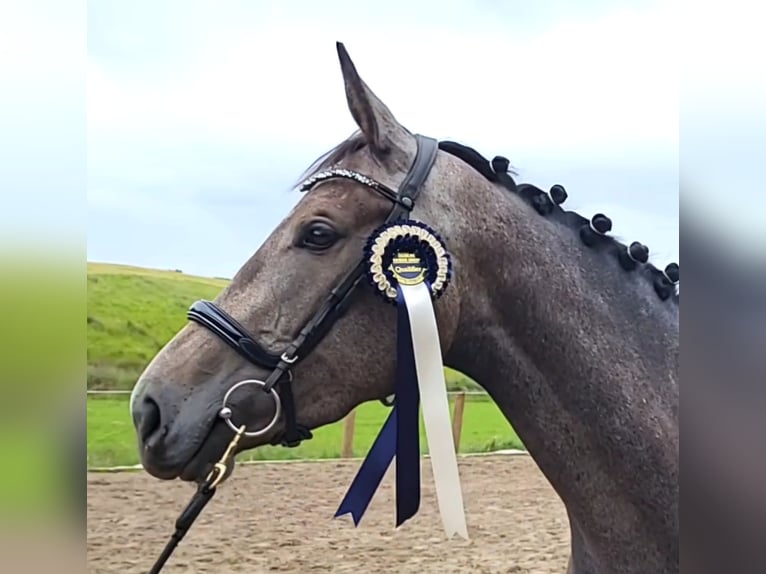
(343, 173)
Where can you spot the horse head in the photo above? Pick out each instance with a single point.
(572, 333)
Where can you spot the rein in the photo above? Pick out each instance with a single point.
(278, 384)
(205, 492)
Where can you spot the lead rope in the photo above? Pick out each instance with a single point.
(204, 493)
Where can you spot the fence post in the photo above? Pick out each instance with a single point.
(457, 419)
(348, 435)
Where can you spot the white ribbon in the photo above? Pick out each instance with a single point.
(436, 414)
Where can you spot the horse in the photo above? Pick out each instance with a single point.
(573, 334)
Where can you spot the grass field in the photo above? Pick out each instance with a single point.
(132, 312)
(111, 438)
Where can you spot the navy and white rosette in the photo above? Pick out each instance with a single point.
(409, 266)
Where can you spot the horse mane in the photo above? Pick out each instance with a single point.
(593, 232)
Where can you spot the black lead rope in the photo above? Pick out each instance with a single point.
(204, 494)
(183, 523)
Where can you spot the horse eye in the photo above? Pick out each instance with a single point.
(318, 236)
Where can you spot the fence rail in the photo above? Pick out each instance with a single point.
(349, 421)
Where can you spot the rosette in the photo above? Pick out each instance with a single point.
(408, 265)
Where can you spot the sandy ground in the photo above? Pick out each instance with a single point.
(279, 518)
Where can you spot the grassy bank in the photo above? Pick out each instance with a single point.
(133, 312)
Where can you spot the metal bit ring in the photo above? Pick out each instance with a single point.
(225, 412)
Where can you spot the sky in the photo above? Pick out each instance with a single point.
(202, 115)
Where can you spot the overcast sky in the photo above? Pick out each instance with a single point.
(202, 114)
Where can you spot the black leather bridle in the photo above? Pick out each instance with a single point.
(279, 382)
(212, 317)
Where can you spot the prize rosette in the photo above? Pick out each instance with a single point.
(407, 254)
(408, 265)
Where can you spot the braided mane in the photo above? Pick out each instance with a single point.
(593, 232)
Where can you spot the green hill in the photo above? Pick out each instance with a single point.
(133, 312)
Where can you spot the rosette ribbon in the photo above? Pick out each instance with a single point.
(409, 266)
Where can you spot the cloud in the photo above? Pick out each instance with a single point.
(216, 105)
(578, 84)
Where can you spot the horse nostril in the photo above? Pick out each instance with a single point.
(148, 419)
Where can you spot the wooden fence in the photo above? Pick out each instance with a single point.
(457, 425)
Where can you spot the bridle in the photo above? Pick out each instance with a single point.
(278, 384)
(212, 317)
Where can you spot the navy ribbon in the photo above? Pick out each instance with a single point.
(399, 435)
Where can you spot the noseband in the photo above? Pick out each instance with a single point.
(212, 317)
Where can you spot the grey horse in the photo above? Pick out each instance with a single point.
(577, 345)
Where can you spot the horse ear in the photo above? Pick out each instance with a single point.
(375, 120)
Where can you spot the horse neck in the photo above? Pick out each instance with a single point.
(581, 358)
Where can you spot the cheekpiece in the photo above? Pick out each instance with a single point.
(406, 253)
